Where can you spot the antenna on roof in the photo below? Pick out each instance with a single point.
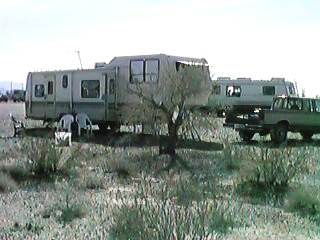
(79, 58)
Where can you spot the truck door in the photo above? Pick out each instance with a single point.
(110, 96)
(50, 96)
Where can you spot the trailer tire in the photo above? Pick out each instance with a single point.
(279, 133)
(246, 135)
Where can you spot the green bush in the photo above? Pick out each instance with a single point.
(42, 156)
(266, 173)
(45, 160)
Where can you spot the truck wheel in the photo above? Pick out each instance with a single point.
(306, 135)
(279, 133)
(246, 135)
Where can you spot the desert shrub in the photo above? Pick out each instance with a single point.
(185, 191)
(93, 182)
(42, 156)
(17, 172)
(68, 214)
(231, 157)
(45, 160)
(304, 201)
(267, 172)
(147, 219)
(119, 165)
(6, 183)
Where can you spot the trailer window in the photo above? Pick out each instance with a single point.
(152, 70)
(111, 86)
(269, 90)
(291, 90)
(233, 91)
(216, 90)
(90, 88)
(136, 71)
(39, 90)
(50, 88)
(65, 81)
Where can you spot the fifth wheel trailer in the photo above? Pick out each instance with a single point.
(103, 92)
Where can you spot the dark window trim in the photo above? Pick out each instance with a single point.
(35, 91)
(81, 93)
(145, 69)
(234, 94)
(50, 87)
(266, 92)
(65, 80)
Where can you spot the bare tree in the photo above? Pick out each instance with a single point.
(173, 98)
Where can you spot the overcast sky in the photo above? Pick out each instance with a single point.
(260, 39)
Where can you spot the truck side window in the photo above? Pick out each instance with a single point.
(39, 90)
(295, 104)
(136, 71)
(65, 81)
(317, 102)
(269, 90)
(277, 104)
(309, 106)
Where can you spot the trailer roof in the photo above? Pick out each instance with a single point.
(125, 59)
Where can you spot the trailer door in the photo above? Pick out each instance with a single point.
(50, 97)
(110, 95)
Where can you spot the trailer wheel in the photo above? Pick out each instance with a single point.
(114, 126)
(279, 133)
(246, 135)
(306, 135)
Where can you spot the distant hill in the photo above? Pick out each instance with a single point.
(8, 86)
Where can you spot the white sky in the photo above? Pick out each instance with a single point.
(260, 39)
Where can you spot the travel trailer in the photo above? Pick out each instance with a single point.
(103, 93)
(243, 95)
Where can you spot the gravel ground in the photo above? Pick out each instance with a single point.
(32, 211)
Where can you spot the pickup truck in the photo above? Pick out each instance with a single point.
(287, 113)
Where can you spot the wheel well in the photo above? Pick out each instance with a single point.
(283, 122)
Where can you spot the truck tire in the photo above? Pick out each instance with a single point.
(306, 135)
(279, 133)
(246, 135)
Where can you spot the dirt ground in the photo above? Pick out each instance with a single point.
(22, 209)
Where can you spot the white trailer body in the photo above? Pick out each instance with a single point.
(246, 94)
(103, 92)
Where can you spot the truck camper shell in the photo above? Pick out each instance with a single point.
(102, 92)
